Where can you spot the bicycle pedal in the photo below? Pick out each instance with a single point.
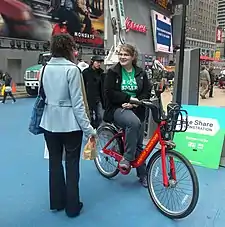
(124, 171)
(170, 144)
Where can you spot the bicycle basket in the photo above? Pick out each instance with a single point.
(177, 118)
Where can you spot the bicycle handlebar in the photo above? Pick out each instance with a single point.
(136, 102)
(175, 116)
(150, 105)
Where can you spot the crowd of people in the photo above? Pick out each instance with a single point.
(86, 96)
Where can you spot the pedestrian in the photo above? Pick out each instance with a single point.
(212, 80)
(8, 89)
(82, 64)
(204, 82)
(1, 78)
(94, 82)
(64, 121)
(1, 74)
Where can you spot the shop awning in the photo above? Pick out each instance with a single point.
(206, 58)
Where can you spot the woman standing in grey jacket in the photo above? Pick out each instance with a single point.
(64, 120)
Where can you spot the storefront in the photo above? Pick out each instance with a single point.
(141, 28)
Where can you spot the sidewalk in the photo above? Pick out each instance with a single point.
(217, 100)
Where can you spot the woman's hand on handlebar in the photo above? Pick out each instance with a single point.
(127, 106)
(134, 101)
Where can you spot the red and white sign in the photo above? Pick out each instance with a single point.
(130, 25)
(219, 35)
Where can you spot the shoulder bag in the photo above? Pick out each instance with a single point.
(38, 109)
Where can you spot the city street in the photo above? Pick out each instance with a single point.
(118, 202)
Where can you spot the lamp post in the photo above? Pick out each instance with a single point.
(178, 94)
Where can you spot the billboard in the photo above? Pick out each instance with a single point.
(219, 33)
(34, 19)
(162, 32)
(165, 4)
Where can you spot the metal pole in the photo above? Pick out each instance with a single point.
(181, 57)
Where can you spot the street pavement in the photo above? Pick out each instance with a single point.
(217, 100)
(118, 202)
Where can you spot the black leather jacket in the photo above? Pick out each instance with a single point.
(93, 81)
(114, 97)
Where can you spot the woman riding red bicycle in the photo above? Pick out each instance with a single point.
(169, 176)
(124, 82)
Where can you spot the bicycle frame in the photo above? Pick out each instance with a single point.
(156, 138)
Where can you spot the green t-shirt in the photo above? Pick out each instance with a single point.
(129, 84)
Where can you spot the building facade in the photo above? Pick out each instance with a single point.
(221, 28)
(221, 14)
(142, 31)
(139, 13)
(201, 25)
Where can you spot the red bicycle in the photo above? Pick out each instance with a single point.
(166, 181)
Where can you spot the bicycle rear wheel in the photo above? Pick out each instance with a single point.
(107, 165)
(168, 199)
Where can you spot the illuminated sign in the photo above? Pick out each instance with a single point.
(165, 4)
(130, 25)
(162, 3)
(219, 35)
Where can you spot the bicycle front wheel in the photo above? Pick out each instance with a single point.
(179, 199)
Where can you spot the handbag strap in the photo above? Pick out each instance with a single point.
(41, 89)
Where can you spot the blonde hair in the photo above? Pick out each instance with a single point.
(131, 50)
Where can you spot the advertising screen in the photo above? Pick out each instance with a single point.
(162, 32)
(35, 19)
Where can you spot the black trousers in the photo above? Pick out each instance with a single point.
(64, 193)
(96, 115)
(211, 91)
(6, 94)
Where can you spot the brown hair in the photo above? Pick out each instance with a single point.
(131, 50)
(62, 46)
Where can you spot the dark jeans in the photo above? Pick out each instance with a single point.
(64, 194)
(134, 135)
(6, 94)
(211, 91)
(96, 115)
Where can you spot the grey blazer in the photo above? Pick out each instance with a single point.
(64, 110)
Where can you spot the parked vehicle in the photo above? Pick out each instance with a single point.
(31, 76)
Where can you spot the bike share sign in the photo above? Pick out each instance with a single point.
(203, 141)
